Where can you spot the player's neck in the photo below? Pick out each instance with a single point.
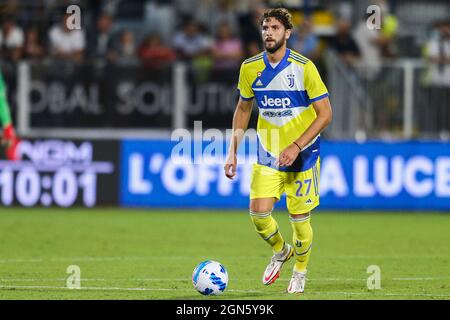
(277, 55)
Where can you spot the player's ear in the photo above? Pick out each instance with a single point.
(288, 33)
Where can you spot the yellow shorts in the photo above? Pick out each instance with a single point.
(302, 188)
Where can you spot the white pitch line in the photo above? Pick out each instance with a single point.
(421, 279)
(239, 291)
(189, 279)
(88, 259)
(160, 279)
(101, 259)
(382, 294)
(95, 279)
(92, 288)
(20, 260)
(115, 289)
(395, 257)
(174, 257)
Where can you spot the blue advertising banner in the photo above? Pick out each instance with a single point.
(380, 175)
(152, 176)
(372, 175)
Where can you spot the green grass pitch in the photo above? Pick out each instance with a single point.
(150, 254)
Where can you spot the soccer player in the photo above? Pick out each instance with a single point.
(293, 108)
(9, 138)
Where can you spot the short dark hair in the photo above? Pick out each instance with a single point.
(281, 14)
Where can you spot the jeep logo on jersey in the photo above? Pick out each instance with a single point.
(276, 102)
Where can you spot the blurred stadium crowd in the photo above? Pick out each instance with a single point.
(219, 32)
(216, 35)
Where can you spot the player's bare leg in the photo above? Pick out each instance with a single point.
(267, 228)
(302, 240)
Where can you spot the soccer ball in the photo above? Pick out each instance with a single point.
(210, 278)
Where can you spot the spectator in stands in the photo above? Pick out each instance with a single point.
(377, 43)
(190, 42)
(124, 51)
(33, 50)
(389, 27)
(343, 43)
(160, 16)
(193, 45)
(11, 40)
(371, 56)
(227, 49)
(214, 12)
(305, 41)
(251, 30)
(153, 53)
(101, 41)
(438, 55)
(66, 44)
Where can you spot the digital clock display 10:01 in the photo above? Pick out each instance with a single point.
(36, 184)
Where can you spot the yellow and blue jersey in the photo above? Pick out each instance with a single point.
(284, 95)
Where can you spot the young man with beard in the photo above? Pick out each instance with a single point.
(293, 108)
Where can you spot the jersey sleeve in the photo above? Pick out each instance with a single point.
(5, 115)
(244, 84)
(315, 88)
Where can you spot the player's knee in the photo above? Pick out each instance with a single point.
(261, 220)
(300, 217)
(264, 224)
(261, 205)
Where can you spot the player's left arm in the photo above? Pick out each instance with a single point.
(324, 117)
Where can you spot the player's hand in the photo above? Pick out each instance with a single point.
(230, 166)
(288, 156)
(10, 141)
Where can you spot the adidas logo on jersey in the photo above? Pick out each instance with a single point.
(276, 102)
(259, 83)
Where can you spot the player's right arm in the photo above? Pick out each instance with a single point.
(241, 118)
(9, 138)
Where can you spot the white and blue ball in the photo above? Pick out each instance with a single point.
(210, 278)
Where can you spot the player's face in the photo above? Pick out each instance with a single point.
(274, 34)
